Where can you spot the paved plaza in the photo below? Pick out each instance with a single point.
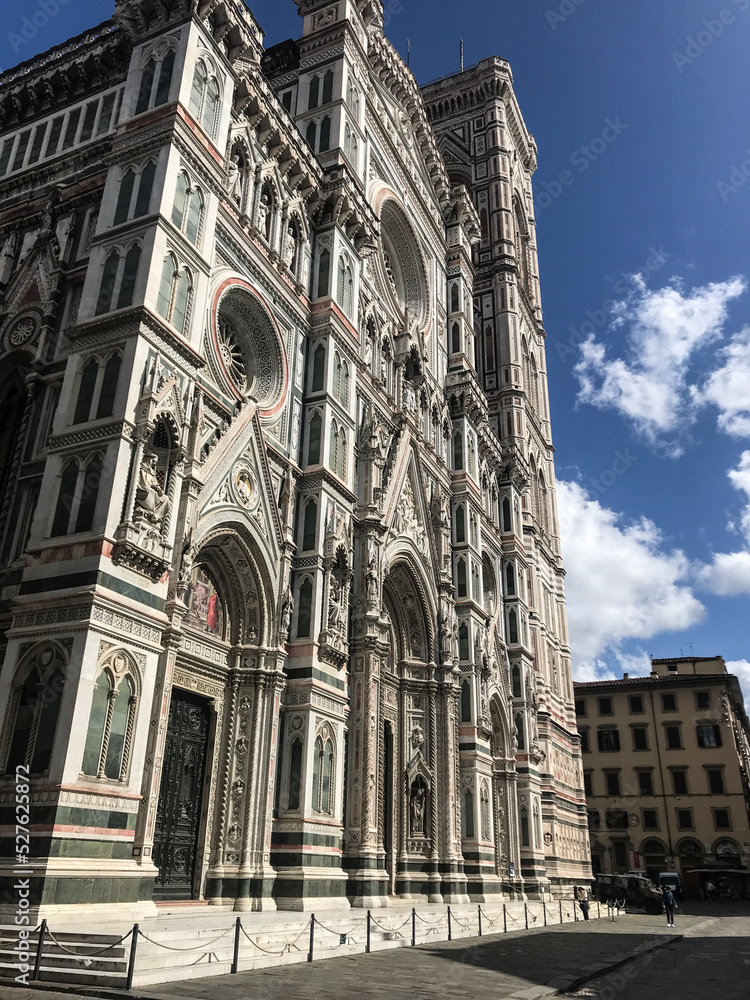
(706, 956)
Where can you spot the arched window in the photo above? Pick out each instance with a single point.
(322, 797)
(295, 774)
(469, 815)
(472, 456)
(156, 80)
(145, 187)
(325, 135)
(33, 710)
(461, 577)
(524, 827)
(313, 443)
(129, 277)
(304, 616)
(175, 292)
(455, 303)
(204, 98)
(520, 735)
(458, 452)
(124, 197)
(463, 642)
(310, 524)
(86, 392)
(484, 799)
(460, 523)
(65, 499)
(512, 626)
(507, 520)
(187, 208)
(319, 368)
(311, 134)
(465, 702)
(324, 273)
(455, 339)
(111, 720)
(109, 387)
(345, 286)
(107, 287)
(313, 93)
(510, 580)
(516, 681)
(328, 87)
(92, 477)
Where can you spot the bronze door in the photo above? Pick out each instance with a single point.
(176, 847)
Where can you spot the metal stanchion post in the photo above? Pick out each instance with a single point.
(39, 949)
(575, 912)
(526, 914)
(479, 916)
(236, 956)
(413, 927)
(311, 952)
(131, 962)
(367, 946)
(561, 919)
(598, 909)
(505, 920)
(544, 910)
(450, 936)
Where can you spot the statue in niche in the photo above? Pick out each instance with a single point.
(445, 640)
(417, 808)
(290, 248)
(234, 178)
(372, 582)
(151, 502)
(287, 609)
(334, 605)
(264, 215)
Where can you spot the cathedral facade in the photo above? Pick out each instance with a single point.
(282, 596)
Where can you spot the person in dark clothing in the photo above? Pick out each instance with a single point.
(583, 901)
(669, 903)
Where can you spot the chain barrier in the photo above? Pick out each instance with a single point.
(93, 954)
(431, 923)
(390, 930)
(492, 923)
(205, 946)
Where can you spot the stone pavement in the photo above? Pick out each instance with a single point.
(514, 966)
(710, 962)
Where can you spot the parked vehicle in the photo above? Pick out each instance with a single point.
(636, 891)
(673, 880)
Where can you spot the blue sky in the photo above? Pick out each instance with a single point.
(646, 106)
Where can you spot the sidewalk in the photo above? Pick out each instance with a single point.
(514, 966)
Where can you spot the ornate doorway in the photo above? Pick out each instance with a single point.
(176, 847)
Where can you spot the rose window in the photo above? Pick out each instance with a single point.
(231, 354)
(250, 353)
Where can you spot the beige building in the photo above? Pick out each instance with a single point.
(666, 763)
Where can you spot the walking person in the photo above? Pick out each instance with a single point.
(710, 891)
(583, 901)
(669, 903)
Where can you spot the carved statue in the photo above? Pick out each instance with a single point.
(334, 605)
(445, 640)
(417, 809)
(264, 209)
(234, 178)
(287, 608)
(372, 583)
(151, 502)
(290, 248)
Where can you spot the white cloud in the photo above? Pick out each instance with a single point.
(729, 572)
(742, 670)
(665, 328)
(621, 583)
(728, 388)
